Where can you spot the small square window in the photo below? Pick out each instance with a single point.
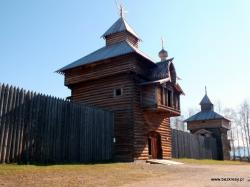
(118, 92)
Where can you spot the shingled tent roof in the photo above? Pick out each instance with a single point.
(207, 111)
(205, 115)
(160, 71)
(205, 100)
(120, 26)
(106, 52)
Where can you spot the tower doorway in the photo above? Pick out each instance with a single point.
(154, 145)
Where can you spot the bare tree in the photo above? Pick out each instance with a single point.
(192, 111)
(238, 139)
(240, 128)
(178, 123)
(218, 106)
(244, 114)
(243, 141)
(230, 114)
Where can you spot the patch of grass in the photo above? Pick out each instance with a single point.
(209, 162)
(112, 174)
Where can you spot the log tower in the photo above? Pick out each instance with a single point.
(142, 94)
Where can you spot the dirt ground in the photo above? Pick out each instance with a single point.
(200, 175)
(126, 174)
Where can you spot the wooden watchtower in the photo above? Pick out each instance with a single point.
(209, 123)
(143, 94)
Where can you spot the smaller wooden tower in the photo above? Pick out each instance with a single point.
(209, 123)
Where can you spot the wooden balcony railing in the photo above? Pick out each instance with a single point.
(163, 102)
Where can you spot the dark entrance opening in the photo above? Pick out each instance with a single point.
(149, 147)
(154, 145)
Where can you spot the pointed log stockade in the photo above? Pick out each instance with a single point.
(35, 128)
(186, 145)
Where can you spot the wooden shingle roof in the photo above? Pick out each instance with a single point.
(207, 112)
(205, 115)
(120, 26)
(205, 101)
(106, 52)
(161, 70)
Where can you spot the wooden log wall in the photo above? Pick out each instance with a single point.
(160, 122)
(109, 67)
(120, 37)
(94, 84)
(148, 97)
(146, 122)
(186, 145)
(99, 70)
(35, 128)
(100, 93)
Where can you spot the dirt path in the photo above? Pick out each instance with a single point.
(124, 174)
(199, 175)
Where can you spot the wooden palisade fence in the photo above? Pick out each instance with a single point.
(35, 128)
(186, 145)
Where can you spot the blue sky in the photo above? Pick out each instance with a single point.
(210, 41)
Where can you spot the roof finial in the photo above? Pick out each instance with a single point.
(121, 9)
(206, 90)
(162, 42)
(163, 54)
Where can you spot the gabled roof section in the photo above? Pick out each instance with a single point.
(114, 50)
(120, 26)
(205, 101)
(205, 115)
(161, 70)
(160, 74)
(161, 81)
(178, 88)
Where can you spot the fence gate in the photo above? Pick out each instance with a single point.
(186, 145)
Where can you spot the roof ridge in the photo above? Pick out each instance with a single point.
(110, 51)
(205, 115)
(139, 51)
(86, 56)
(120, 25)
(130, 27)
(167, 60)
(205, 100)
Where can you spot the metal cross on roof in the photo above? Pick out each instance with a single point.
(206, 90)
(162, 42)
(121, 9)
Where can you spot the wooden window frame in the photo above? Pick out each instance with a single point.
(115, 92)
(170, 98)
(162, 95)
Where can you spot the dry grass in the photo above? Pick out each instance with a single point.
(112, 174)
(209, 162)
